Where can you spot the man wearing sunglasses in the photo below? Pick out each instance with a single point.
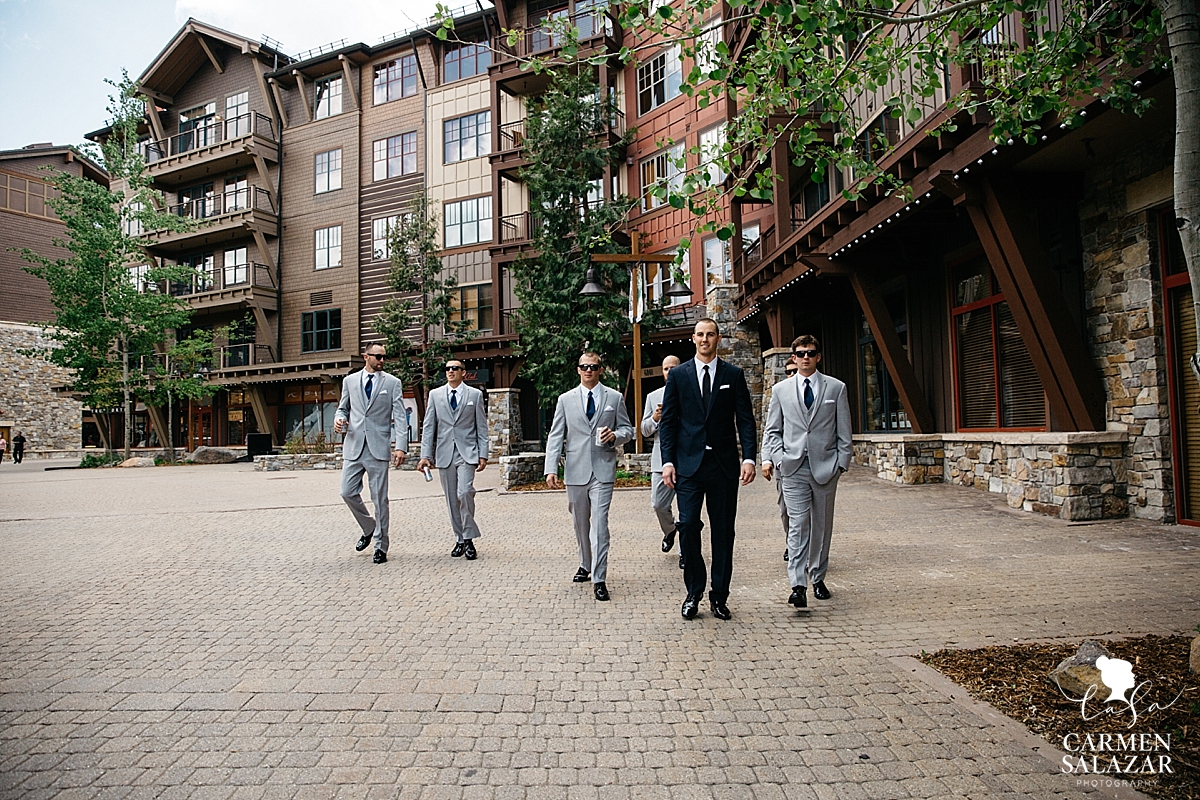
(592, 421)
(454, 438)
(807, 440)
(371, 416)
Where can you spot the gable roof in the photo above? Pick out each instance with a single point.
(192, 47)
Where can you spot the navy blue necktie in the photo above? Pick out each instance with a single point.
(370, 385)
(454, 399)
(591, 409)
(808, 394)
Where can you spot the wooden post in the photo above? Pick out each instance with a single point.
(637, 347)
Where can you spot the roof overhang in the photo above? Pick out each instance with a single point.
(190, 48)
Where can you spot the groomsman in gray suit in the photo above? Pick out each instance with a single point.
(807, 439)
(592, 421)
(454, 438)
(371, 416)
(661, 495)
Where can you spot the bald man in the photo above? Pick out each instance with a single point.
(661, 495)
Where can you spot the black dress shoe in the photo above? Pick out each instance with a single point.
(690, 607)
(669, 541)
(582, 576)
(798, 599)
(380, 557)
(364, 542)
(601, 591)
(785, 556)
(820, 592)
(719, 609)
(470, 551)
(681, 560)
(458, 550)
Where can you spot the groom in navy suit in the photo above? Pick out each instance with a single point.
(706, 411)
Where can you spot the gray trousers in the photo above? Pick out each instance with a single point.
(661, 497)
(810, 524)
(377, 480)
(783, 515)
(588, 504)
(458, 485)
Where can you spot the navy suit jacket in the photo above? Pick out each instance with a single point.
(685, 430)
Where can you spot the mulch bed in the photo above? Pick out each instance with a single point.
(1014, 681)
(622, 483)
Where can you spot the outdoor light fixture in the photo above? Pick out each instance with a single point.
(678, 289)
(592, 287)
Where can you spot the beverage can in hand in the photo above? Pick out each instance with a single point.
(428, 474)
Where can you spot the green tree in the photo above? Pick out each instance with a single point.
(105, 319)
(418, 326)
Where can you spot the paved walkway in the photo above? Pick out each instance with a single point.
(210, 632)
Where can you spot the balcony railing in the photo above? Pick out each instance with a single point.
(512, 134)
(212, 133)
(537, 41)
(232, 201)
(246, 355)
(228, 277)
(519, 227)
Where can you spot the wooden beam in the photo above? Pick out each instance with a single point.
(303, 88)
(262, 414)
(780, 323)
(264, 175)
(1056, 346)
(280, 107)
(264, 252)
(895, 358)
(208, 51)
(156, 125)
(350, 91)
(159, 422)
(260, 72)
(166, 99)
(781, 164)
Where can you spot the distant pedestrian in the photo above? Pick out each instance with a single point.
(18, 444)
(3, 447)
(661, 495)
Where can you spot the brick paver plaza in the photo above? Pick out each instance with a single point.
(210, 632)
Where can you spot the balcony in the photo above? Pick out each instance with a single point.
(597, 31)
(220, 146)
(231, 287)
(219, 218)
(246, 355)
(519, 228)
(509, 155)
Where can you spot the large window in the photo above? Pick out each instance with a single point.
(395, 156)
(327, 169)
(381, 236)
(707, 58)
(712, 154)
(329, 97)
(469, 221)
(752, 244)
(131, 221)
(237, 115)
(881, 406)
(328, 247)
(661, 169)
(717, 266)
(395, 79)
(473, 306)
(237, 193)
(659, 79)
(998, 386)
(468, 137)
(321, 330)
(465, 61)
(309, 410)
(237, 270)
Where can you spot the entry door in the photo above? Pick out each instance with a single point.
(1184, 388)
(200, 429)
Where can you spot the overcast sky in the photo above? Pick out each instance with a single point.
(55, 54)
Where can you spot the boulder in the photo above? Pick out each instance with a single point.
(1194, 659)
(1075, 675)
(212, 455)
(138, 461)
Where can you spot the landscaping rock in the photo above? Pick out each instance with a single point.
(212, 455)
(138, 461)
(1075, 675)
(1194, 659)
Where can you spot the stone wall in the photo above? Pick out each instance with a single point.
(287, 462)
(740, 345)
(504, 422)
(519, 470)
(28, 403)
(1125, 318)
(1073, 476)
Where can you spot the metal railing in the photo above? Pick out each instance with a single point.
(214, 132)
(246, 355)
(519, 227)
(512, 134)
(588, 25)
(232, 201)
(227, 277)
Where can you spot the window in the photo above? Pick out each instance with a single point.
(998, 386)
(309, 409)
(327, 167)
(878, 137)
(468, 137)
(661, 169)
(329, 97)
(131, 222)
(240, 348)
(329, 247)
(712, 154)
(197, 202)
(658, 80)
(717, 266)
(465, 61)
(659, 278)
(321, 330)
(237, 193)
(395, 156)
(196, 128)
(707, 58)
(395, 79)
(472, 307)
(469, 221)
(140, 277)
(237, 269)
(542, 24)
(200, 281)
(881, 406)
(237, 115)
(381, 237)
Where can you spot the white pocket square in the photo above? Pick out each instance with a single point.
(724, 386)
(471, 403)
(608, 408)
(383, 391)
(831, 401)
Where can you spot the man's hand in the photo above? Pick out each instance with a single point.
(747, 473)
(339, 425)
(552, 481)
(398, 457)
(482, 465)
(657, 415)
(423, 465)
(668, 474)
(767, 469)
(608, 435)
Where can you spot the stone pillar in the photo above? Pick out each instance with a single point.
(504, 422)
(740, 345)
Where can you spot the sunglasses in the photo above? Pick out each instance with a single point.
(377, 356)
(452, 369)
(790, 372)
(590, 367)
(806, 353)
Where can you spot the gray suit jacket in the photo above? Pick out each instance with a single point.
(445, 428)
(650, 427)
(375, 423)
(585, 458)
(823, 434)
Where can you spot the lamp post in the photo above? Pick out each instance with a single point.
(593, 288)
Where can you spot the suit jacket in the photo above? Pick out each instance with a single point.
(585, 458)
(823, 434)
(650, 428)
(685, 431)
(445, 428)
(375, 423)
